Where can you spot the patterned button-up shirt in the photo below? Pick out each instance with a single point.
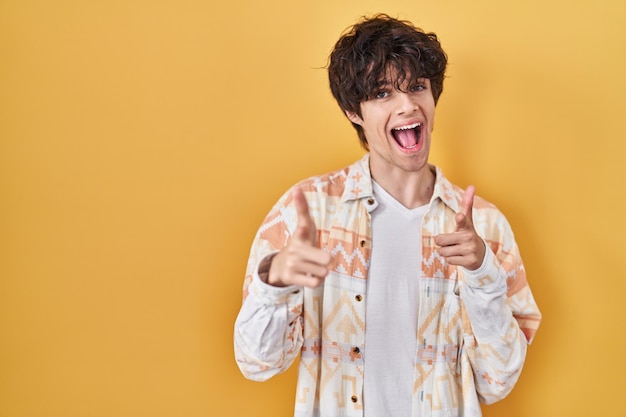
(473, 326)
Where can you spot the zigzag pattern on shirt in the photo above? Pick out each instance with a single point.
(434, 265)
(350, 252)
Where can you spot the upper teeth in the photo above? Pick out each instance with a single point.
(413, 126)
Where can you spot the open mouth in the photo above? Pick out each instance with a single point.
(408, 137)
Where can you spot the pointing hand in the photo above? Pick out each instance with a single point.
(463, 247)
(300, 262)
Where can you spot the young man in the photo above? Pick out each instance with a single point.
(403, 294)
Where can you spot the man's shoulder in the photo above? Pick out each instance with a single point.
(335, 183)
(452, 193)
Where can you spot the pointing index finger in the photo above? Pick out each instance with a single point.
(467, 204)
(302, 207)
(306, 226)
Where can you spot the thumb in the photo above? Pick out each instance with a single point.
(305, 229)
(464, 217)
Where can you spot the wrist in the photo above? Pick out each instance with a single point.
(273, 279)
(264, 267)
(267, 273)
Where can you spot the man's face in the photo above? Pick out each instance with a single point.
(398, 126)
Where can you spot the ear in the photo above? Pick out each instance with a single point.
(354, 118)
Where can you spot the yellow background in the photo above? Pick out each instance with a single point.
(142, 143)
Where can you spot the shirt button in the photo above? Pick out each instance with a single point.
(354, 398)
(356, 349)
(370, 201)
(358, 297)
(362, 243)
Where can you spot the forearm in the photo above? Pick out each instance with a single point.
(268, 329)
(495, 346)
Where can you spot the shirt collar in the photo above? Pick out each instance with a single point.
(446, 191)
(359, 181)
(359, 185)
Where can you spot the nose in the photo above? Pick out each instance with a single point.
(405, 104)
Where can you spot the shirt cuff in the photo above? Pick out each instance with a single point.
(486, 275)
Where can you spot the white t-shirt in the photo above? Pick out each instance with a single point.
(392, 307)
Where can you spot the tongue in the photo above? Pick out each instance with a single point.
(406, 138)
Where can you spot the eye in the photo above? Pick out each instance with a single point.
(381, 94)
(418, 87)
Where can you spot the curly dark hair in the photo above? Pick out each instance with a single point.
(368, 50)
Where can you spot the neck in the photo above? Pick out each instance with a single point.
(411, 189)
